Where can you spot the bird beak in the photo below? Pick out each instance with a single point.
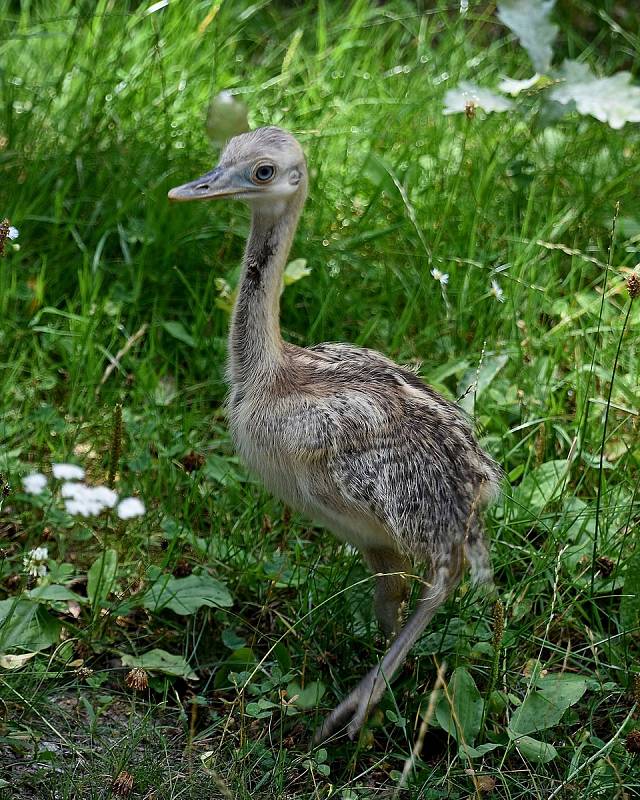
(217, 183)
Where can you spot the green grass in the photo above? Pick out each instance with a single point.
(102, 109)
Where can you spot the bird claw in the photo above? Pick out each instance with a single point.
(354, 709)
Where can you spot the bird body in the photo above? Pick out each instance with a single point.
(341, 433)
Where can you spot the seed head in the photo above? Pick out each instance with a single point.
(633, 285)
(633, 742)
(192, 461)
(635, 688)
(84, 672)
(137, 679)
(498, 623)
(605, 565)
(4, 234)
(116, 445)
(123, 784)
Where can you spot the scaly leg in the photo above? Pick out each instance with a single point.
(391, 587)
(354, 709)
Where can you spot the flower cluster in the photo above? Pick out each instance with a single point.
(441, 277)
(34, 562)
(80, 499)
(497, 291)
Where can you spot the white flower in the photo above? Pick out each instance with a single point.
(442, 277)
(34, 483)
(130, 507)
(13, 233)
(105, 496)
(35, 570)
(39, 554)
(33, 562)
(67, 472)
(496, 291)
(87, 501)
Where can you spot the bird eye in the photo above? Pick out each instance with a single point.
(264, 173)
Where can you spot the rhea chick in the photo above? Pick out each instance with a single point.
(342, 433)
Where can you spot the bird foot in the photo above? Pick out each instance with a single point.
(352, 712)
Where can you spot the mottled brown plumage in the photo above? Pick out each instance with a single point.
(341, 433)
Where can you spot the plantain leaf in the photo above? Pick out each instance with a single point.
(529, 20)
(543, 707)
(26, 625)
(160, 661)
(536, 751)
(178, 331)
(613, 100)
(186, 595)
(460, 714)
(101, 577)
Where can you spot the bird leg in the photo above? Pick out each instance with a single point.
(353, 710)
(391, 587)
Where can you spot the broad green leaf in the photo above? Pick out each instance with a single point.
(187, 595)
(295, 271)
(614, 100)
(309, 697)
(231, 639)
(261, 709)
(536, 751)
(461, 713)
(161, 661)
(220, 469)
(178, 331)
(283, 656)
(543, 707)
(479, 751)
(101, 577)
(479, 380)
(54, 593)
(529, 20)
(540, 486)
(26, 625)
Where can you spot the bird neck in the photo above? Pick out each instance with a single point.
(255, 343)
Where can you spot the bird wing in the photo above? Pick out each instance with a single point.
(392, 446)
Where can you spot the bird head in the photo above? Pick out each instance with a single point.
(265, 168)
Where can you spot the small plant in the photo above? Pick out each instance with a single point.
(572, 86)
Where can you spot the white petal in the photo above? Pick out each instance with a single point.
(34, 483)
(78, 508)
(67, 472)
(130, 507)
(39, 554)
(73, 490)
(13, 233)
(614, 99)
(104, 495)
